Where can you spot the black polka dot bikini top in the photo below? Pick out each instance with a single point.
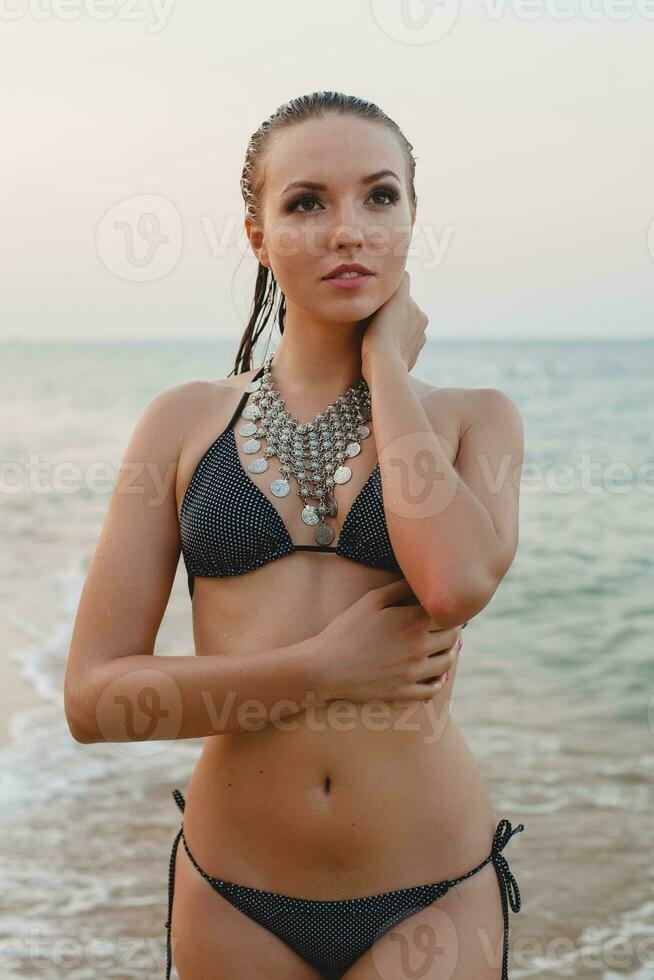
(228, 526)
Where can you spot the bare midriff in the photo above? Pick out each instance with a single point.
(336, 800)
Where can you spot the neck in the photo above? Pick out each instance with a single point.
(316, 360)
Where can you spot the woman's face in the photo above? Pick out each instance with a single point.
(307, 232)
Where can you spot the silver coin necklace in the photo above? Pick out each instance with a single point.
(313, 452)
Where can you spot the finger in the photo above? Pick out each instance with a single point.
(434, 666)
(421, 691)
(440, 641)
(394, 592)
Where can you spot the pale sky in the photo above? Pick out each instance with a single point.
(532, 126)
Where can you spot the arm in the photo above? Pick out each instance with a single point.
(115, 688)
(147, 697)
(456, 542)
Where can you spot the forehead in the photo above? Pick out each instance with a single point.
(334, 149)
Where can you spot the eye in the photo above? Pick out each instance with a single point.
(389, 192)
(305, 199)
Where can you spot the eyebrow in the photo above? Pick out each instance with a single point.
(314, 186)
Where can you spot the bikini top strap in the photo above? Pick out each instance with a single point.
(179, 799)
(244, 398)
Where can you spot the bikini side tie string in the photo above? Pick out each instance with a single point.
(179, 800)
(509, 891)
(503, 834)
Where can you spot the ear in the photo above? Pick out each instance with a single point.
(256, 239)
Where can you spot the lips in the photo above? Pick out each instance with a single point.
(353, 267)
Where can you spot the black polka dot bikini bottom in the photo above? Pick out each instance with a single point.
(332, 935)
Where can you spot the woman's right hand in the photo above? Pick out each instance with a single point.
(379, 649)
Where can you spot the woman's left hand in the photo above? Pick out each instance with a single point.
(397, 327)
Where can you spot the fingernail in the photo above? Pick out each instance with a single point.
(445, 676)
(459, 644)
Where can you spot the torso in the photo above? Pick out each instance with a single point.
(314, 808)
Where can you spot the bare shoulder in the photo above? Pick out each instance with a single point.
(487, 412)
(448, 409)
(191, 415)
(465, 405)
(492, 406)
(166, 417)
(181, 404)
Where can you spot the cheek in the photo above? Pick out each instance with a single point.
(288, 249)
(390, 256)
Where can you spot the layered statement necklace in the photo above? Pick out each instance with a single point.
(313, 452)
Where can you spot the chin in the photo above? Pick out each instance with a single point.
(348, 306)
(346, 313)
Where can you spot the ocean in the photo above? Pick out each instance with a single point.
(554, 692)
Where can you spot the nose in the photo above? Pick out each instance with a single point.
(346, 235)
(345, 230)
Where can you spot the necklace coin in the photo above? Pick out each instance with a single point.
(342, 474)
(280, 487)
(325, 534)
(310, 515)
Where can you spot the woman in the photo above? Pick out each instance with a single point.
(336, 825)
